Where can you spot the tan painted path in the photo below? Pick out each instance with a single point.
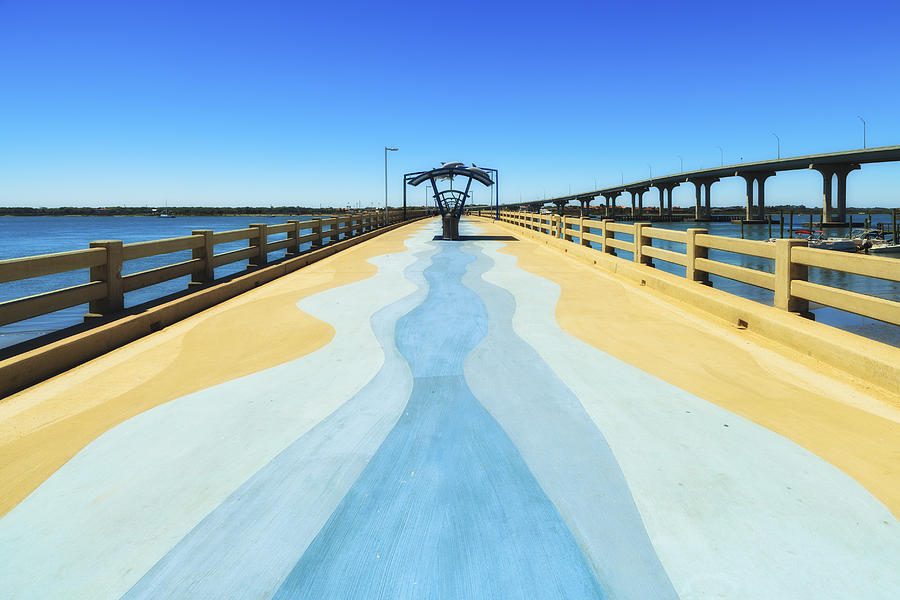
(847, 423)
(397, 420)
(43, 427)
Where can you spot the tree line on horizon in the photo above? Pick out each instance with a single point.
(177, 211)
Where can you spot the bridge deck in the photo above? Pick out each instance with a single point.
(426, 419)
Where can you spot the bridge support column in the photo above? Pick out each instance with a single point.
(828, 172)
(760, 179)
(637, 202)
(698, 190)
(701, 185)
(665, 197)
(610, 198)
(560, 207)
(826, 196)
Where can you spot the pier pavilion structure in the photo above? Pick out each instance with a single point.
(833, 166)
(450, 202)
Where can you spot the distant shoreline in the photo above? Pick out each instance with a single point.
(176, 212)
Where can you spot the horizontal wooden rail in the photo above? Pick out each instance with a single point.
(233, 256)
(665, 255)
(143, 279)
(620, 244)
(278, 245)
(39, 304)
(16, 269)
(157, 247)
(738, 246)
(620, 228)
(742, 274)
(857, 264)
(670, 235)
(235, 235)
(860, 304)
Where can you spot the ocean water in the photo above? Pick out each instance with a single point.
(25, 236)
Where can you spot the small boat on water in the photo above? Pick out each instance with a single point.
(875, 242)
(817, 239)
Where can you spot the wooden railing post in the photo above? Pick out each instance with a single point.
(205, 253)
(787, 271)
(640, 241)
(262, 239)
(583, 240)
(294, 235)
(693, 252)
(606, 234)
(566, 222)
(317, 233)
(109, 272)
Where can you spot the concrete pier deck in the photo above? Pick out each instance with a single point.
(412, 418)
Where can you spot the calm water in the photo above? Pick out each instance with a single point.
(25, 236)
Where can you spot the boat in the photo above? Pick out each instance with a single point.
(165, 213)
(874, 242)
(817, 239)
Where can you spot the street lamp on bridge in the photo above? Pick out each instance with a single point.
(721, 155)
(386, 150)
(778, 144)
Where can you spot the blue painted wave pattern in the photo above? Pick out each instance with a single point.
(419, 496)
(447, 508)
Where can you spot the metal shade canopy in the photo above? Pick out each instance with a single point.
(449, 172)
(450, 202)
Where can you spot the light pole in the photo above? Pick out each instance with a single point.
(681, 162)
(778, 144)
(651, 171)
(721, 155)
(386, 149)
(864, 130)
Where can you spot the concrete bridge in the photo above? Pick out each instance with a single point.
(490, 418)
(834, 167)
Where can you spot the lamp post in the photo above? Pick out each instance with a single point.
(681, 162)
(864, 130)
(778, 144)
(721, 155)
(386, 150)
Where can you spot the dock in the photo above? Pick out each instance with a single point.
(485, 418)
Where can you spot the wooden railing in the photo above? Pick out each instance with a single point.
(787, 277)
(106, 288)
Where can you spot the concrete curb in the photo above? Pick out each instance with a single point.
(874, 362)
(31, 367)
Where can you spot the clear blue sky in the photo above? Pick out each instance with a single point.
(263, 102)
